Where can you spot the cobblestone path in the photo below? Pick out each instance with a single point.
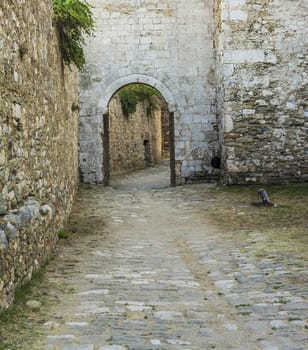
(146, 271)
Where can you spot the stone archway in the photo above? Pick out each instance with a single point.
(137, 78)
(164, 45)
(104, 106)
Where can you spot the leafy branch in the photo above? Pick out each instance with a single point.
(131, 94)
(74, 20)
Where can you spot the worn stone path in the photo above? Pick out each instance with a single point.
(146, 271)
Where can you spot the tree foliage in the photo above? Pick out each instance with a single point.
(74, 20)
(131, 94)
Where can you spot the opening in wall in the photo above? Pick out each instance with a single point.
(138, 132)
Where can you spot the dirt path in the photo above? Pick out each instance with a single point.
(146, 269)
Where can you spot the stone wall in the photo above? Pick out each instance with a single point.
(262, 90)
(163, 43)
(38, 140)
(135, 140)
(165, 131)
(241, 99)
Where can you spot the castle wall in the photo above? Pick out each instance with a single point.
(38, 141)
(262, 90)
(161, 43)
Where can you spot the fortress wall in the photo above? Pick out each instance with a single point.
(262, 90)
(165, 44)
(38, 140)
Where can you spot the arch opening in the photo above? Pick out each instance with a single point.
(118, 84)
(138, 131)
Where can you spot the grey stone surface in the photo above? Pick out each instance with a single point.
(3, 240)
(224, 70)
(167, 45)
(11, 231)
(78, 347)
(3, 207)
(148, 271)
(33, 304)
(257, 129)
(47, 210)
(14, 218)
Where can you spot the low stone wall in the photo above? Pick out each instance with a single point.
(38, 141)
(262, 90)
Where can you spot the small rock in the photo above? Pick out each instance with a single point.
(278, 324)
(3, 208)
(230, 326)
(46, 210)
(33, 304)
(113, 347)
(3, 240)
(11, 230)
(167, 315)
(77, 324)
(13, 217)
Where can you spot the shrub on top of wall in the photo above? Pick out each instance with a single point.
(74, 19)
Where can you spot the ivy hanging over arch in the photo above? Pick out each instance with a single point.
(131, 94)
(74, 20)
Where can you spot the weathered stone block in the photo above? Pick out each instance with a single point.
(12, 232)
(3, 207)
(3, 240)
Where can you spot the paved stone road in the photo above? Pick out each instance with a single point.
(146, 271)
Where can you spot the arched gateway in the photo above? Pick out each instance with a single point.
(164, 44)
(136, 78)
(104, 106)
(224, 68)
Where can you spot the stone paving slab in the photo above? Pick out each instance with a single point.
(146, 271)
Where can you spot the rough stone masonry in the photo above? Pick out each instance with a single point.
(234, 72)
(262, 90)
(165, 44)
(38, 140)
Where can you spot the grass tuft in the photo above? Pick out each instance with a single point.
(62, 234)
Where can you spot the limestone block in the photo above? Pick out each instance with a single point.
(244, 56)
(11, 231)
(228, 123)
(238, 15)
(2, 157)
(47, 210)
(13, 218)
(3, 207)
(3, 240)
(237, 3)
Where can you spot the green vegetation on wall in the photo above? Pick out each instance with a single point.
(74, 20)
(131, 94)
